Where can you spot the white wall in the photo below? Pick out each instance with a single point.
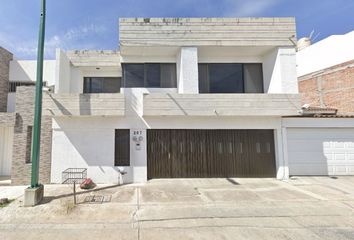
(26, 70)
(86, 143)
(279, 71)
(187, 70)
(62, 72)
(6, 143)
(329, 52)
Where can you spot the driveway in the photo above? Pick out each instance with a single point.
(302, 208)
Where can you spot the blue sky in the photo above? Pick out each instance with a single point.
(93, 24)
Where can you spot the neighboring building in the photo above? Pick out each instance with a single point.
(7, 120)
(324, 145)
(326, 73)
(184, 97)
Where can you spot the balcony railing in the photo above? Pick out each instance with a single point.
(104, 104)
(221, 104)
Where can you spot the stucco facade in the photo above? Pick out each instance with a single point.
(89, 141)
(78, 129)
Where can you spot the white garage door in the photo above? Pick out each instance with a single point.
(321, 151)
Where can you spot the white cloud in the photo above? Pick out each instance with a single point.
(243, 8)
(84, 31)
(74, 38)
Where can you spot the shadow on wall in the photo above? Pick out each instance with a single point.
(84, 105)
(60, 107)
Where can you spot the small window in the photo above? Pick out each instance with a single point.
(102, 85)
(220, 148)
(122, 147)
(230, 147)
(268, 147)
(258, 147)
(29, 144)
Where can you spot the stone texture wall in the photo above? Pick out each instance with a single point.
(21, 171)
(331, 87)
(5, 58)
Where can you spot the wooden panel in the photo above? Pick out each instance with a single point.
(210, 153)
(122, 147)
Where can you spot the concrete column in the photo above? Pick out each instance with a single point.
(138, 154)
(187, 70)
(279, 70)
(282, 165)
(62, 72)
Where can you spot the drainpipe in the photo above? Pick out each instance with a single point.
(38, 100)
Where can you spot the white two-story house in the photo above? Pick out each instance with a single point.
(182, 98)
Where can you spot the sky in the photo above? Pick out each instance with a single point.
(93, 24)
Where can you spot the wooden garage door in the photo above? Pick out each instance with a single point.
(210, 153)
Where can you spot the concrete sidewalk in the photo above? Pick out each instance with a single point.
(303, 208)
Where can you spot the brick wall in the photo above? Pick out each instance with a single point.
(21, 171)
(5, 58)
(331, 87)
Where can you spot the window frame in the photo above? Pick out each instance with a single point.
(145, 80)
(89, 79)
(207, 78)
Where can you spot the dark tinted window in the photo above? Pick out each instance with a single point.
(153, 75)
(253, 76)
(102, 85)
(133, 75)
(122, 147)
(168, 75)
(225, 78)
(203, 78)
(230, 78)
(150, 75)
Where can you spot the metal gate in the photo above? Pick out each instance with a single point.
(192, 153)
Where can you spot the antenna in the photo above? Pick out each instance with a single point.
(311, 34)
(318, 34)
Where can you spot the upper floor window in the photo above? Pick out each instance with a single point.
(102, 84)
(230, 78)
(149, 75)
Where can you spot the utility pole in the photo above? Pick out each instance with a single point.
(38, 100)
(34, 194)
